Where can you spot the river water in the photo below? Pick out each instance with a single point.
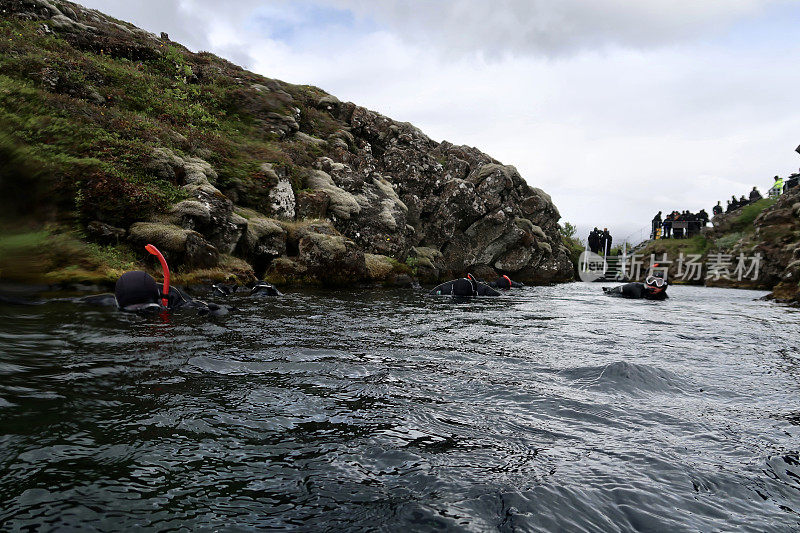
(547, 409)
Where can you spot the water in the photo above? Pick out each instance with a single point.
(546, 409)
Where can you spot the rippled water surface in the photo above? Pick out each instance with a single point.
(550, 408)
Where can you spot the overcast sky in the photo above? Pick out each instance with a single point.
(617, 108)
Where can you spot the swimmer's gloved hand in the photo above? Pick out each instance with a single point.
(222, 289)
(262, 288)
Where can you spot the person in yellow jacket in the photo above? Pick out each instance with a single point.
(777, 187)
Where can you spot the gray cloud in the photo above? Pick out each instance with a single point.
(552, 27)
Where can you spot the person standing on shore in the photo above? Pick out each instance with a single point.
(656, 225)
(668, 225)
(594, 240)
(777, 187)
(606, 241)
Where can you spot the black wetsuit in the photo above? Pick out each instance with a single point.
(636, 290)
(137, 291)
(503, 283)
(259, 288)
(463, 287)
(221, 289)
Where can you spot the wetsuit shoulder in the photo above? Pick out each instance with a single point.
(264, 289)
(444, 288)
(486, 290)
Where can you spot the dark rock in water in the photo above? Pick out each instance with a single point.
(403, 280)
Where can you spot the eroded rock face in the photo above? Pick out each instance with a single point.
(264, 239)
(393, 189)
(207, 210)
(332, 259)
(318, 253)
(778, 230)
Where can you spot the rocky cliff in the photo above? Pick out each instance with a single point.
(127, 138)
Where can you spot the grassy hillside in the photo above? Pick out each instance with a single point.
(79, 119)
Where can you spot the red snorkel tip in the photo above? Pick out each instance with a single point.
(165, 268)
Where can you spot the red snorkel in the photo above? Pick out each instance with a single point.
(510, 284)
(153, 250)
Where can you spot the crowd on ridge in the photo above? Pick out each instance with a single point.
(681, 225)
(678, 225)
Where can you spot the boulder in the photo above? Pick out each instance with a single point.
(342, 204)
(264, 239)
(425, 263)
(312, 204)
(103, 233)
(165, 164)
(332, 259)
(180, 246)
(210, 213)
(379, 267)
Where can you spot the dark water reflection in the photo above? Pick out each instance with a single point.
(547, 409)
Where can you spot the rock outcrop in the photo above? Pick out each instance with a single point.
(304, 187)
(777, 230)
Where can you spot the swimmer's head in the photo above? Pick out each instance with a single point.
(136, 288)
(504, 282)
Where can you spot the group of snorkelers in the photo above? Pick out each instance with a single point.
(138, 291)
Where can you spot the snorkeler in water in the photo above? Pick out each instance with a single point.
(468, 286)
(654, 288)
(137, 291)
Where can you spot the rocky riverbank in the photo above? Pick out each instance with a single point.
(113, 138)
(763, 239)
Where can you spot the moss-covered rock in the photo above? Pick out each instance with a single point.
(180, 246)
(379, 267)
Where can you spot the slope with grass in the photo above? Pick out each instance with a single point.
(111, 137)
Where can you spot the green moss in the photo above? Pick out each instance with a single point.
(750, 212)
(727, 241)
